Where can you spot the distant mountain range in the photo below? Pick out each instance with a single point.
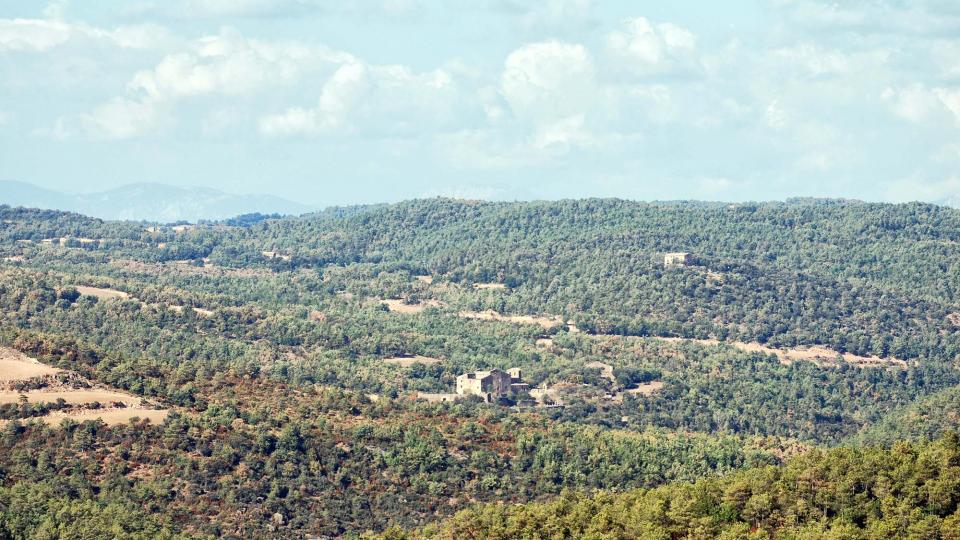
(149, 202)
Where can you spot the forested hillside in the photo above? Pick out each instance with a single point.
(908, 491)
(307, 368)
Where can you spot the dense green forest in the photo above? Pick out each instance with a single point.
(273, 342)
(907, 491)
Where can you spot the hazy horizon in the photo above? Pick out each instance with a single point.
(382, 101)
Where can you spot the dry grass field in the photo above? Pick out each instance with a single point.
(16, 366)
(815, 353)
(121, 406)
(490, 315)
(482, 286)
(436, 398)
(73, 397)
(407, 361)
(399, 306)
(111, 417)
(103, 294)
(645, 389)
(606, 370)
(199, 311)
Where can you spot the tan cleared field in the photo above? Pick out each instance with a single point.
(199, 311)
(606, 370)
(73, 397)
(399, 306)
(814, 353)
(407, 361)
(490, 315)
(645, 389)
(489, 286)
(111, 417)
(436, 398)
(16, 366)
(275, 255)
(425, 279)
(103, 294)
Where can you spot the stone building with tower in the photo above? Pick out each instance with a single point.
(491, 385)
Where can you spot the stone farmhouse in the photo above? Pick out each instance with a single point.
(491, 385)
(679, 258)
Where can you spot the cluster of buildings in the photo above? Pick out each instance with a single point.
(492, 385)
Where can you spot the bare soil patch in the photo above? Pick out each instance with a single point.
(606, 370)
(275, 255)
(815, 353)
(407, 361)
(103, 294)
(645, 389)
(549, 395)
(399, 306)
(425, 279)
(111, 417)
(14, 258)
(16, 366)
(199, 311)
(436, 398)
(544, 342)
(490, 315)
(73, 397)
(482, 286)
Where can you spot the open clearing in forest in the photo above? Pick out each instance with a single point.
(275, 255)
(490, 315)
(111, 417)
(407, 361)
(400, 306)
(16, 366)
(436, 398)
(187, 267)
(482, 286)
(73, 397)
(645, 389)
(103, 294)
(606, 370)
(199, 311)
(816, 354)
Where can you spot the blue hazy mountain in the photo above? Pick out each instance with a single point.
(150, 202)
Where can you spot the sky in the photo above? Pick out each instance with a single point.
(361, 101)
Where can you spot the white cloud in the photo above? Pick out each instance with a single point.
(230, 64)
(39, 35)
(775, 116)
(548, 81)
(377, 100)
(119, 118)
(917, 103)
(33, 34)
(812, 60)
(950, 98)
(648, 49)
